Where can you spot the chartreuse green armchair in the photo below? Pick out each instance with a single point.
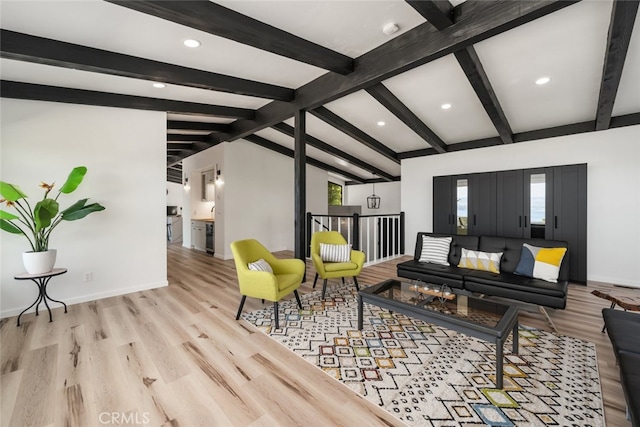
(285, 277)
(337, 260)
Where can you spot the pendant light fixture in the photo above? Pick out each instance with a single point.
(373, 201)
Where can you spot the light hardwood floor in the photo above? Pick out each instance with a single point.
(176, 356)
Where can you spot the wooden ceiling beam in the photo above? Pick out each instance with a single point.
(18, 90)
(472, 67)
(25, 47)
(174, 146)
(475, 21)
(623, 16)
(323, 146)
(344, 126)
(438, 12)
(398, 109)
(218, 20)
(177, 137)
(263, 142)
(534, 135)
(186, 125)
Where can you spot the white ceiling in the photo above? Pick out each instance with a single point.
(567, 45)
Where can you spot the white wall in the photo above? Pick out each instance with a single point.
(256, 200)
(613, 191)
(123, 246)
(389, 193)
(175, 195)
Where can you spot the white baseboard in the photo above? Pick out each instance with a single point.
(85, 298)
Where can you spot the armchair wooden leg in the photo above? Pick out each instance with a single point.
(343, 280)
(275, 311)
(355, 281)
(324, 288)
(315, 280)
(298, 299)
(244, 297)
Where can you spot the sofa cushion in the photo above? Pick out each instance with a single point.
(435, 250)
(478, 260)
(449, 271)
(515, 282)
(623, 327)
(541, 263)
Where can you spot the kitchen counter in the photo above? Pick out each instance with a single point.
(203, 219)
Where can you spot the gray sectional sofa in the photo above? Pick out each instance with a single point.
(506, 284)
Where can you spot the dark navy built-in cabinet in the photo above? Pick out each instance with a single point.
(546, 203)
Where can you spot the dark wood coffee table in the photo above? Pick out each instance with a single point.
(627, 298)
(480, 318)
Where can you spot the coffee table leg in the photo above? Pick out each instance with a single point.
(359, 312)
(515, 339)
(499, 365)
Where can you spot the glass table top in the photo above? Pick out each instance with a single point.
(441, 299)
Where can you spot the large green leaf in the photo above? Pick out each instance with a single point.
(7, 215)
(78, 210)
(44, 212)
(7, 226)
(11, 192)
(73, 181)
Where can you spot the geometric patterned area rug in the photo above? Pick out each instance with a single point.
(426, 375)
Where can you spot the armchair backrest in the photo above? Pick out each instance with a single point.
(330, 237)
(249, 250)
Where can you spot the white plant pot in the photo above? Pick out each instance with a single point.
(39, 262)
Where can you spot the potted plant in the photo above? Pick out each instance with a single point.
(37, 223)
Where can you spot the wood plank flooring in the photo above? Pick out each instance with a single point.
(176, 356)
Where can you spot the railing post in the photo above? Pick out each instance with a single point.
(309, 227)
(355, 232)
(402, 233)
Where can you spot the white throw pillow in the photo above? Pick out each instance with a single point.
(435, 250)
(260, 265)
(335, 253)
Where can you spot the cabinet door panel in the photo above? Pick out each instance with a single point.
(443, 213)
(570, 216)
(482, 201)
(510, 204)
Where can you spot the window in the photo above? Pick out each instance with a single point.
(462, 206)
(335, 194)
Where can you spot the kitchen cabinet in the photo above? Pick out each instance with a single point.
(199, 235)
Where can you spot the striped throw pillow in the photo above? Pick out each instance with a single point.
(260, 265)
(435, 250)
(335, 253)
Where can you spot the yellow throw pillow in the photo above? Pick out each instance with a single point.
(478, 260)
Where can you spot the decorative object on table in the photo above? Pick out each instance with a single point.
(36, 223)
(445, 294)
(41, 280)
(427, 375)
(627, 298)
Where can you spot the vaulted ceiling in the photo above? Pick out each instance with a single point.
(261, 61)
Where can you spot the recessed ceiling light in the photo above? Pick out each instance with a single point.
(390, 28)
(159, 85)
(381, 123)
(191, 43)
(342, 162)
(543, 81)
(445, 106)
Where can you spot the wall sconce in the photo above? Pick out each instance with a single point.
(219, 180)
(187, 187)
